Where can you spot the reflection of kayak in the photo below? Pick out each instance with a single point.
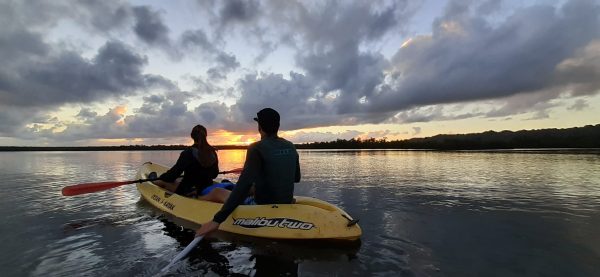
(309, 218)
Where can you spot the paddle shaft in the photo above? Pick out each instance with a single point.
(95, 187)
(183, 253)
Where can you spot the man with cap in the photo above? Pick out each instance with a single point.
(272, 166)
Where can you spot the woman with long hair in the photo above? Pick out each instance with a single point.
(199, 163)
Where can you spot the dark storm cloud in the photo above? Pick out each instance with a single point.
(525, 63)
(149, 26)
(330, 36)
(191, 39)
(100, 16)
(430, 113)
(291, 97)
(537, 102)
(103, 16)
(115, 71)
(579, 105)
(86, 113)
(488, 7)
(225, 64)
(204, 86)
(11, 118)
(327, 38)
(467, 59)
(197, 41)
(239, 11)
(160, 116)
(540, 52)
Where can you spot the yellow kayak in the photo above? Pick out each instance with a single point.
(308, 218)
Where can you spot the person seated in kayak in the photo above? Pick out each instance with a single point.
(272, 166)
(199, 163)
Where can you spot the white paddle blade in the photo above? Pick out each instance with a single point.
(182, 254)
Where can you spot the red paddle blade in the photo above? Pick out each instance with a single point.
(236, 171)
(91, 187)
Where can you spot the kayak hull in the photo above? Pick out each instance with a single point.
(308, 218)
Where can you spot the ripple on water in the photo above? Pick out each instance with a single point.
(514, 213)
(72, 255)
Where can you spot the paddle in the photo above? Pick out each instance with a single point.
(94, 187)
(182, 254)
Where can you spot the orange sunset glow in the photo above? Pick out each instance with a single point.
(223, 137)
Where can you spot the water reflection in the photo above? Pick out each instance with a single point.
(422, 213)
(231, 255)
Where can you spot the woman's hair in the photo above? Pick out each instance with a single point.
(207, 155)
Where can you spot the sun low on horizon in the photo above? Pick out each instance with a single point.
(136, 72)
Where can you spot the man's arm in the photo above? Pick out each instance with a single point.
(252, 167)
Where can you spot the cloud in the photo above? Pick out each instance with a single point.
(149, 26)
(13, 118)
(467, 59)
(97, 16)
(67, 77)
(579, 105)
(294, 98)
(239, 11)
(534, 51)
(225, 64)
(106, 126)
(522, 60)
(537, 103)
(197, 41)
(416, 131)
(579, 74)
(204, 86)
(337, 73)
(191, 39)
(305, 137)
(161, 115)
(101, 16)
(328, 39)
(382, 134)
(86, 113)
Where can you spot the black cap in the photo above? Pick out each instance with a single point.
(268, 119)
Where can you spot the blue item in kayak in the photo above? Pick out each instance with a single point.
(249, 201)
(225, 185)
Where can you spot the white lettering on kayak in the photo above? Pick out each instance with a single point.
(161, 201)
(272, 222)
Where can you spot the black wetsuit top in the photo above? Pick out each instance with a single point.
(195, 175)
(272, 166)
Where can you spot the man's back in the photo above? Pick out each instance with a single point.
(279, 170)
(272, 166)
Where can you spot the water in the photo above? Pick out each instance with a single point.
(422, 214)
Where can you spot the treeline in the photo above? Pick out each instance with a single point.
(109, 148)
(578, 137)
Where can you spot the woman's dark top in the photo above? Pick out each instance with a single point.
(195, 174)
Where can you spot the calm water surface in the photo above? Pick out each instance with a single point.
(422, 214)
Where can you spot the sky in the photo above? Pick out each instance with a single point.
(145, 72)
